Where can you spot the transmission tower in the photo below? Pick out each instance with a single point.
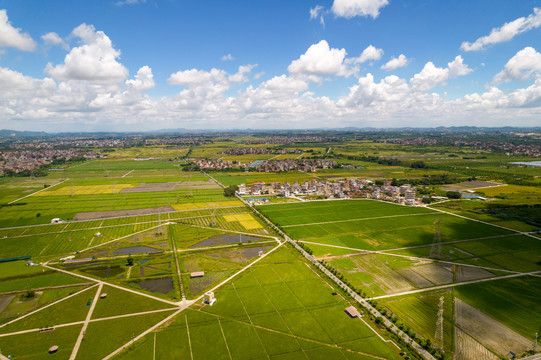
(438, 335)
(436, 251)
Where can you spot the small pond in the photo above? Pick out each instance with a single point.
(164, 285)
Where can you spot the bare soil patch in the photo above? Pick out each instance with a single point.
(471, 185)
(94, 215)
(465, 273)
(414, 278)
(488, 331)
(436, 273)
(466, 348)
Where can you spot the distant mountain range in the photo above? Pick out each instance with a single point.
(450, 129)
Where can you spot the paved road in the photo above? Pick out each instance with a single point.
(85, 324)
(175, 254)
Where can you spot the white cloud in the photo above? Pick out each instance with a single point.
(367, 92)
(196, 77)
(143, 81)
(320, 60)
(429, 77)
(12, 37)
(13, 81)
(506, 32)
(395, 63)
(315, 12)
(129, 2)
(240, 76)
(523, 65)
(371, 53)
(228, 57)
(458, 68)
(94, 61)
(352, 8)
(54, 39)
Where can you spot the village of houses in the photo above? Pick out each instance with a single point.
(343, 189)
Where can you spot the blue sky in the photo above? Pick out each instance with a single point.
(140, 65)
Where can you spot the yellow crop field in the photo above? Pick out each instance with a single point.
(246, 220)
(86, 190)
(206, 205)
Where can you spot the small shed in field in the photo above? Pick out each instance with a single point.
(197, 274)
(353, 312)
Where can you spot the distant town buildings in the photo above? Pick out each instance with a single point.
(17, 161)
(306, 165)
(257, 150)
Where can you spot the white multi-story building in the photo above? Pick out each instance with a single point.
(410, 197)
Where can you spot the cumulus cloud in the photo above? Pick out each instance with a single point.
(94, 61)
(195, 77)
(458, 68)
(54, 39)
(371, 53)
(143, 81)
(285, 101)
(523, 65)
(320, 60)
(228, 57)
(241, 75)
(431, 76)
(506, 32)
(367, 91)
(13, 37)
(352, 8)
(395, 63)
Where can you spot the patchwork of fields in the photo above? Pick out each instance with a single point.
(384, 250)
(153, 239)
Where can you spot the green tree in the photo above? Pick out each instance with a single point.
(453, 195)
(230, 190)
(129, 261)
